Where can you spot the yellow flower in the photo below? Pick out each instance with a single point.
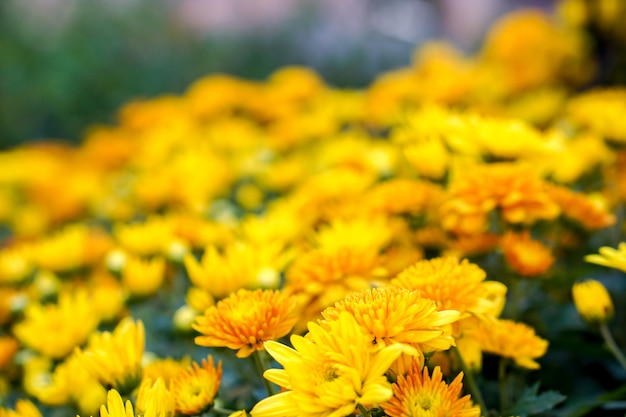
(527, 257)
(23, 408)
(72, 384)
(143, 277)
(509, 339)
(149, 238)
(56, 329)
(15, 265)
(421, 394)
(453, 285)
(592, 301)
(613, 258)
(154, 397)
(516, 190)
(329, 372)
(166, 369)
(589, 211)
(195, 388)
(245, 320)
(116, 407)
(115, 358)
(73, 247)
(396, 315)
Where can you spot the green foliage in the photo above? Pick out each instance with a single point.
(531, 403)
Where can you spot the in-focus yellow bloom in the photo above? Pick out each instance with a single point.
(56, 329)
(115, 358)
(329, 372)
(526, 256)
(116, 407)
(453, 285)
(155, 397)
(420, 394)
(246, 319)
(397, 315)
(195, 388)
(513, 340)
(592, 301)
(143, 277)
(613, 258)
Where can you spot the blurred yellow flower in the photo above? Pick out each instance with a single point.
(526, 256)
(613, 258)
(195, 388)
(23, 408)
(592, 301)
(15, 265)
(143, 277)
(421, 394)
(114, 358)
(167, 369)
(590, 211)
(246, 319)
(56, 329)
(151, 237)
(329, 372)
(8, 348)
(513, 340)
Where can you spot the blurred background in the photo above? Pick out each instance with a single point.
(67, 64)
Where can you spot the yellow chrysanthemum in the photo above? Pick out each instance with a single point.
(15, 265)
(56, 329)
(592, 301)
(329, 372)
(143, 277)
(419, 394)
(513, 340)
(397, 315)
(115, 358)
(23, 408)
(453, 285)
(155, 396)
(589, 211)
(195, 388)
(245, 320)
(526, 256)
(613, 258)
(166, 368)
(71, 384)
(116, 407)
(516, 190)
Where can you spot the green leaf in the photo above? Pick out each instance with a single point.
(531, 403)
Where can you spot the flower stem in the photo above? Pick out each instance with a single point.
(615, 350)
(259, 366)
(504, 400)
(363, 410)
(470, 382)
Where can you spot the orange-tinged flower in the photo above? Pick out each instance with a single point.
(114, 358)
(195, 388)
(527, 257)
(56, 329)
(245, 320)
(516, 190)
(8, 348)
(401, 195)
(589, 211)
(397, 315)
(166, 368)
(328, 372)
(513, 340)
(592, 301)
(453, 285)
(421, 394)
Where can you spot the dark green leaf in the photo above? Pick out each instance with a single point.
(531, 402)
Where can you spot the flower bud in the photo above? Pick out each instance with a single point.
(592, 301)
